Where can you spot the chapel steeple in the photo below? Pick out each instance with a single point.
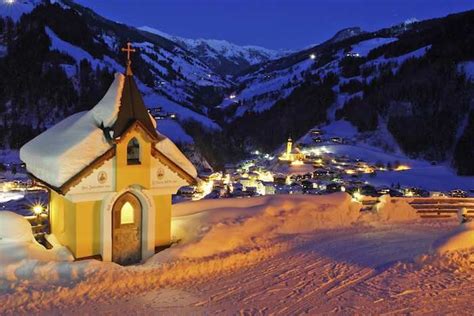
(132, 108)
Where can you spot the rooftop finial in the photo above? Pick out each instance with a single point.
(129, 50)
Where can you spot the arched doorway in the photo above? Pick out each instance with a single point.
(127, 230)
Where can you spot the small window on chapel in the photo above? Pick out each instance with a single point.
(127, 214)
(133, 152)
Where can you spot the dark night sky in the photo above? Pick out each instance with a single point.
(286, 24)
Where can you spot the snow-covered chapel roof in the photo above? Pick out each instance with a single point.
(64, 150)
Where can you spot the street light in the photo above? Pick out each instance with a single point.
(38, 209)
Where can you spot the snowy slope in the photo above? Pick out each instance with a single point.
(263, 88)
(364, 47)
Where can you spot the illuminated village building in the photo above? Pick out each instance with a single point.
(110, 176)
(292, 154)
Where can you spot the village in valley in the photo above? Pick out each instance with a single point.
(324, 163)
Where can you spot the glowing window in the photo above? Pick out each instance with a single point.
(133, 152)
(127, 214)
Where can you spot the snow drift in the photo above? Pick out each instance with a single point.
(14, 228)
(460, 238)
(455, 250)
(209, 227)
(17, 244)
(390, 210)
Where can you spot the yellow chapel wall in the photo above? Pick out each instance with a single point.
(140, 174)
(77, 225)
(133, 174)
(162, 219)
(63, 220)
(88, 239)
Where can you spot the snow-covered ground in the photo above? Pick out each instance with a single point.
(279, 254)
(363, 48)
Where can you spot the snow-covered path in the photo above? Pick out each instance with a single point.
(362, 270)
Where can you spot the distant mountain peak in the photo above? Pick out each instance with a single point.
(221, 55)
(346, 33)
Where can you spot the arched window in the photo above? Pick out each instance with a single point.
(127, 214)
(133, 152)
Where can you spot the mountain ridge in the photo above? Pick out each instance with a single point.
(224, 57)
(370, 79)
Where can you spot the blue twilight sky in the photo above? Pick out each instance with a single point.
(277, 24)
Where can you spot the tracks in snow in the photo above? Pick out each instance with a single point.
(361, 270)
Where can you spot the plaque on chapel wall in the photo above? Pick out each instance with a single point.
(160, 173)
(102, 177)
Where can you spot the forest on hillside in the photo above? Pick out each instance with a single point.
(36, 90)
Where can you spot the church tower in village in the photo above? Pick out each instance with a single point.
(289, 146)
(110, 176)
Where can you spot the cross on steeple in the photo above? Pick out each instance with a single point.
(129, 50)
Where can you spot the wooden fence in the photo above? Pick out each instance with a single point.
(431, 207)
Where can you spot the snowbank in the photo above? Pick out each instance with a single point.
(461, 238)
(389, 210)
(14, 228)
(209, 227)
(17, 244)
(395, 210)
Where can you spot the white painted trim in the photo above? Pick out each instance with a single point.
(84, 197)
(99, 196)
(148, 222)
(163, 191)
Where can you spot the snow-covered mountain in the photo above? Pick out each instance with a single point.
(346, 33)
(373, 80)
(82, 58)
(222, 56)
(392, 85)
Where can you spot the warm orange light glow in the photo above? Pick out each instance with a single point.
(357, 196)
(297, 163)
(402, 168)
(127, 214)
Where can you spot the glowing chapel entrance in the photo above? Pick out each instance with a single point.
(127, 230)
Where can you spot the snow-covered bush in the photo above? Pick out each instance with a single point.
(14, 228)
